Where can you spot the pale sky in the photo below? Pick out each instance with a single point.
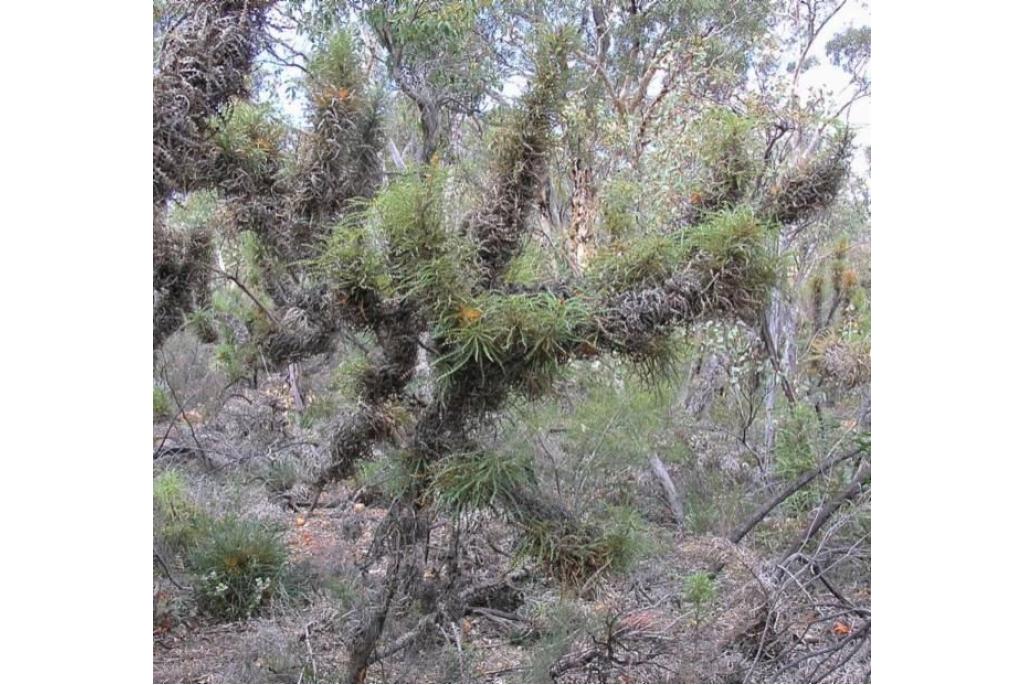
(854, 13)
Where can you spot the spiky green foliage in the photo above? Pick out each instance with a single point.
(250, 138)
(338, 160)
(234, 360)
(280, 474)
(728, 162)
(240, 566)
(202, 323)
(432, 264)
(336, 65)
(499, 229)
(482, 480)
(733, 244)
(733, 240)
(353, 261)
(700, 592)
(195, 212)
(796, 452)
(390, 476)
(618, 197)
(526, 335)
(401, 245)
(533, 267)
(639, 263)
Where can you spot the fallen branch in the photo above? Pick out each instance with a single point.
(670, 489)
(466, 597)
(293, 384)
(826, 512)
(741, 531)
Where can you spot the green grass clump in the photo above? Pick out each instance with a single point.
(557, 626)
(240, 565)
(401, 244)
(389, 476)
(573, 552)
(735, 238)
(202, 323)
(532, 266)
(727, 148)
(235, 361)
(431, 262)
(281, 474)
(194, 212)
(647, 261)
(353, 260)
(699, 588)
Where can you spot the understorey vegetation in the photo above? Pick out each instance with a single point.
(509, 342)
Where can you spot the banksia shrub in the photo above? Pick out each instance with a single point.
(809, 186)
(842, 362)
(240, 565)
(205, 60)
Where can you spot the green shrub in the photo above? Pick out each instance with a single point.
(532, 332)
(558, 626)
(235, 361)
(202, 323)
(632, 535)
(194, 212)
(281, 474)
(251, 135)
(319, 408)
(389, 476)
(161, 403)
(532, 266)
(240, 565)
(699, 591)
(619, 207)
(179, 523)
(574, 553)
(796, 453)
(336, 64)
